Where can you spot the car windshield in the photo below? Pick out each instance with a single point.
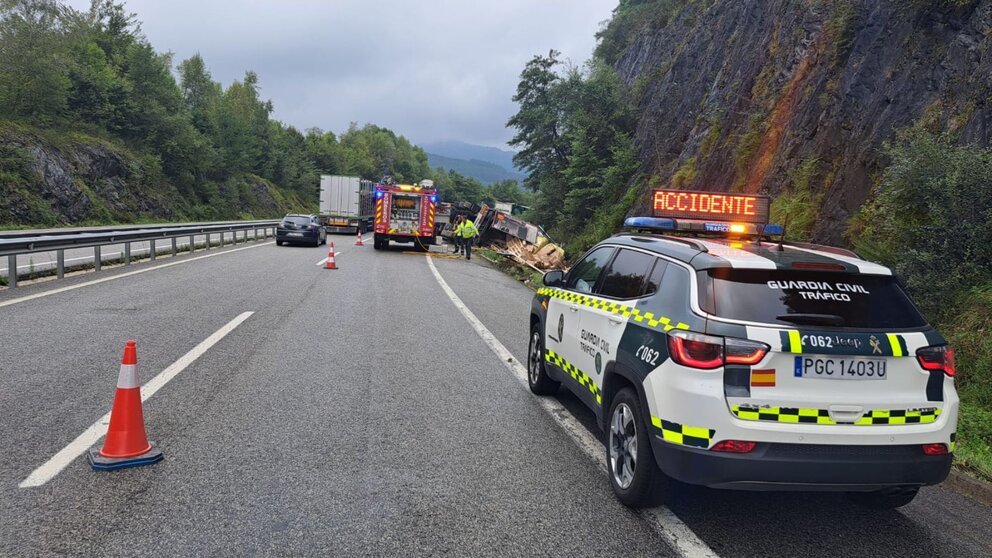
(296, 220)
(799, 298)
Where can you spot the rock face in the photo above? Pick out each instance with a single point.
(76, 180)
(740, 94)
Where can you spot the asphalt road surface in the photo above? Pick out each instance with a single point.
(355, 412)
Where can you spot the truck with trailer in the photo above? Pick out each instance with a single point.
(405, 213)
(346, 204)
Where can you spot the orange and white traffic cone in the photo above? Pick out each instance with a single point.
(359, 241)
(126, 444)
(330, 258)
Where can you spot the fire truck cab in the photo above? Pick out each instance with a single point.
(405, 213)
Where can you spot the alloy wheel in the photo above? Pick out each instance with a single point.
(623, 445)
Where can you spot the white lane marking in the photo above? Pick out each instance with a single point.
(664, 522)
(336, 254)
(98, 429)
(122, 275)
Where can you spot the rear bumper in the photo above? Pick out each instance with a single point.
(308, 236)
(810, 467)
(341, 228)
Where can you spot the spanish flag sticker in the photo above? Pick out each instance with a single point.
(763, 378)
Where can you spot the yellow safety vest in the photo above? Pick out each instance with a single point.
(466, 229)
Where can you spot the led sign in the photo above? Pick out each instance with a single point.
(681, 204)
(404, 203)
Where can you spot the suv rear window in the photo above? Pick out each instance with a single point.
(810, 298)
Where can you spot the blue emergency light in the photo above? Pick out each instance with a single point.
(378, 195)
(433, 199)
(698, 226)
(650, 223)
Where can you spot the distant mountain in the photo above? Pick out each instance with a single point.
(483, 171)
(468, 152)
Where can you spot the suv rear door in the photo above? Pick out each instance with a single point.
(843, 347)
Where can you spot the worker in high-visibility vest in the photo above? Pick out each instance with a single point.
(466, 232)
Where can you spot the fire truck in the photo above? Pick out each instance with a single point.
(405, 213)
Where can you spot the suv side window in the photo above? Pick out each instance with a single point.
(626, 275)
(654, 280)
(582, 277)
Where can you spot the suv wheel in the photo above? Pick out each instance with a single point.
(635, 477)
(887, 499)
(537, 376)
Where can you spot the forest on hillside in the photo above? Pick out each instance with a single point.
(72, 82)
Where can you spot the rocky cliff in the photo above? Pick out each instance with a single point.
(49, 178)
(776, 96)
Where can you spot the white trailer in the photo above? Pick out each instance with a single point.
(346, 203)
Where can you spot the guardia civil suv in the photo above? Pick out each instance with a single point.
(716, 355)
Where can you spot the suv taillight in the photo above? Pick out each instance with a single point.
(937, 358)
(707, 352)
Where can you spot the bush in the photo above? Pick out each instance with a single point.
(929, 218)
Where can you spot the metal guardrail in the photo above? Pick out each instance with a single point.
(14, 244)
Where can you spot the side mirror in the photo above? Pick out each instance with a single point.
(554, 278)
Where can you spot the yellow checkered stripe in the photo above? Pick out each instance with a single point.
(577, 375)
(683, 435)
(648, 318)
(822, 416)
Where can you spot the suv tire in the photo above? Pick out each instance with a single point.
(537, 375)
(639, 482)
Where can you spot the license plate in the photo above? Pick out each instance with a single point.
(840, 368)
(294, 234)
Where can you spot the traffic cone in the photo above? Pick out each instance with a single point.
(359, 241)
(126, 444)
(330, 258)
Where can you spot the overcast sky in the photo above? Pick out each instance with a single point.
(429, 70)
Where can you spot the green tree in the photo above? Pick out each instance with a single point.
(201, 95)
(33, 59)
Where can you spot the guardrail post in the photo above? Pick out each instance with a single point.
(192, 244)
(60, 263)
(207, 243)
(173, 247)
(12, 271)
(97, 258)
(127, 253)
(151, 250)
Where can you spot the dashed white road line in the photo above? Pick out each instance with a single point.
(661, 519)
(122, 275)
(324, 261)
(98, 429)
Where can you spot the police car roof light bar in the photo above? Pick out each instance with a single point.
(706, 227)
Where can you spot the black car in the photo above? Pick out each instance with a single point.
(301, 229)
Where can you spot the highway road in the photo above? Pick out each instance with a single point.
(377, 409)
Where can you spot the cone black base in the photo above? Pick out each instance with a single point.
(101, 463)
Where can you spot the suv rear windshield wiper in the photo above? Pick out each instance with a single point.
(817, 319)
